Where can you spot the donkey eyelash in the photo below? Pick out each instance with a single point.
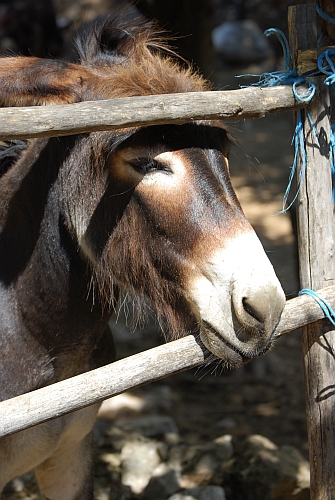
(145, 166)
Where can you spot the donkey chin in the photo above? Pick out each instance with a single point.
(228, 347)
(239, 306)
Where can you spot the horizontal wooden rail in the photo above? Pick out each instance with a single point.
(88, 388)
(67, 119)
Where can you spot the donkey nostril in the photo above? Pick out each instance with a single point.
(249, 309)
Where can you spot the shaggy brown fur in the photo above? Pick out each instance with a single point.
(122, 57)
(136, 59)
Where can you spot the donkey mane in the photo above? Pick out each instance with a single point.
(135, 56)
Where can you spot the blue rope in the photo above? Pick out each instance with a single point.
(285, 77)
(284, 43)
(326, 65)
(325, 306)
(290, 77)
(299, 151)
(322, 14)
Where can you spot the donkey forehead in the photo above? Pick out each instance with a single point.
(153, 139)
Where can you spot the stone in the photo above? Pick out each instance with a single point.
(163, 483)
(120, 492)
(102, 494)
(158, 469)
(260, 469)
(226, 423)
(111, 460)
(224, 447)
(139, 459)
(200, 465)
(241, 42)
(159, 399)
(152, 426)
(176, 457)
(205, 493)
(212, 493)
(111, 435)
(111, 407)
(182, 496)
(17, 484)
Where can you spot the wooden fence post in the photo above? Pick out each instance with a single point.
(316, 263)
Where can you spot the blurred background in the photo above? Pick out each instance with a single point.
(209, 33)
(192, 410)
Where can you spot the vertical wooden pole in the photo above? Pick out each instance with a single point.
(316, 263)
(327, 29)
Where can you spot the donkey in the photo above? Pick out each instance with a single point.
(146, 211)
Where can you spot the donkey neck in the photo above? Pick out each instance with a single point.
(40, 262)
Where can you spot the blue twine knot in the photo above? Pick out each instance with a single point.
(325, 306)
(287, 76)
(290, 76)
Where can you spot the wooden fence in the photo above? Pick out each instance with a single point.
(315, 241)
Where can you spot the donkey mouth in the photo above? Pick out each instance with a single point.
(232, 356)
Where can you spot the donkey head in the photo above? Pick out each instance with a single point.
(152, 209)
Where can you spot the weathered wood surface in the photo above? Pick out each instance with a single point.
(88, 388)
(67, 119)
(316, 260)
(328, 29)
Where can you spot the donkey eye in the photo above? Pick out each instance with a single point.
(145, 166)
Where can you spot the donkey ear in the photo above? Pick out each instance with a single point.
(30, 81)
